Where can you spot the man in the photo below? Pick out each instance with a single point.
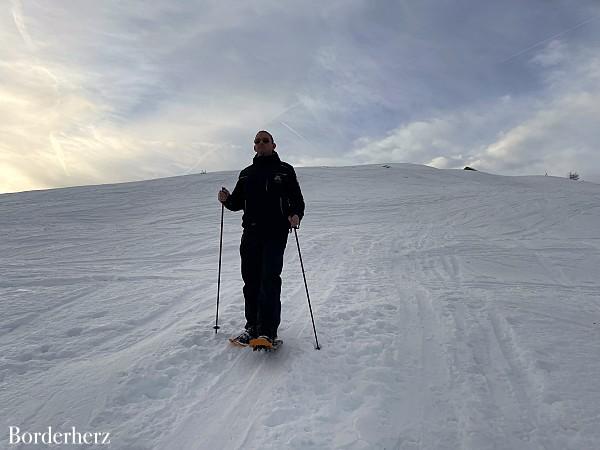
(270, 196)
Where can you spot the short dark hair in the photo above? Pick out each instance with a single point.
(270, 135)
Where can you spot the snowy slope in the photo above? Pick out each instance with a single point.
(455, 310)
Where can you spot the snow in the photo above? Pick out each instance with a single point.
(455, 309)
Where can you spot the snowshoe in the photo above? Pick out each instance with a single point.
(265, 343)
(241, 340)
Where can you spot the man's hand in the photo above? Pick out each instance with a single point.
(223, 195)
(294, 220)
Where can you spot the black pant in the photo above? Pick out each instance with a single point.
(262, 262)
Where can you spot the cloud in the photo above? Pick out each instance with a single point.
(63, 124)
(54, 133)
(112, 92)
(555, 131)
(555, 53)
(560, 133)
(98, 92)
(557, 139)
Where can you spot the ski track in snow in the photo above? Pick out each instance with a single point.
(454, 310)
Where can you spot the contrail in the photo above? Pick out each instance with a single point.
(200, 159)
(289, 108)
(296, 133)
(19, 19)
(17, 13)
(537, 44)
(59, 153)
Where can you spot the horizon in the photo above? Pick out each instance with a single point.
(235, 172)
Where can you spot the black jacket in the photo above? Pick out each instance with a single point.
(268, 192)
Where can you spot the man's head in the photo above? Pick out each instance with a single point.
(264, 143)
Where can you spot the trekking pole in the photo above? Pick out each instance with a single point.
(307, 296)
(216, 327)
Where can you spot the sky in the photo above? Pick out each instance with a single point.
(102, 92)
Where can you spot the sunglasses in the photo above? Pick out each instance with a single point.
(264, 141)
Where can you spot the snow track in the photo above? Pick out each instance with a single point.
(454, 310)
